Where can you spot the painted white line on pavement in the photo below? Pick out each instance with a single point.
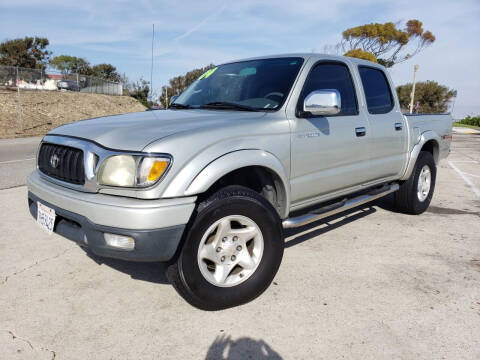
(15, 161)
(466, 162)
(466, 179)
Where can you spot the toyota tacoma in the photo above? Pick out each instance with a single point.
(250, 148)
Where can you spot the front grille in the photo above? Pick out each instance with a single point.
(62, 162)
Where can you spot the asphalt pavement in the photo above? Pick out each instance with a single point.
(17, 160)
(370, 284)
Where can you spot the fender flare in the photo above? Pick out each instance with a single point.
(237, 160)
(421, 140)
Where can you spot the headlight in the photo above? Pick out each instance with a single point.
(132, 170)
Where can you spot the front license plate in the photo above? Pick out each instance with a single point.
(45, 217)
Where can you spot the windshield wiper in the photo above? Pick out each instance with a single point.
(227, 105)
(179, 106)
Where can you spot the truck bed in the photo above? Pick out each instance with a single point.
(440, 123)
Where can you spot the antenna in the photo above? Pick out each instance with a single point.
(151, 68)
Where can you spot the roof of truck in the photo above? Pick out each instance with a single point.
(310, 55)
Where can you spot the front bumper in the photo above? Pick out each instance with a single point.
(156, 225)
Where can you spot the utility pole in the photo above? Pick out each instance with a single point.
(412, 94)
(166, 97)
(78, 84)
(453, 104)
(151, 68)
(20, 120)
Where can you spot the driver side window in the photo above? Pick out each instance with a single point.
(333, 75)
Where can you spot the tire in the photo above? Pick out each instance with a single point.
(200, 281)
(408, 198)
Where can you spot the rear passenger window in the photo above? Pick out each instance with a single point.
(333, 76)
(377, 91)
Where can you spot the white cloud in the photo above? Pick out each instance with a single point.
(200, 24)
(453, 59)
(194, 33)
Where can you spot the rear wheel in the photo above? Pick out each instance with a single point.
(231, 252)
(415, 194)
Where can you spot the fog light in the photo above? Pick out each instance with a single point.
(119, 241)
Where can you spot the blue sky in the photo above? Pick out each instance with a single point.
(192, 34)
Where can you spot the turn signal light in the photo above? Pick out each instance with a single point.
(119, 241)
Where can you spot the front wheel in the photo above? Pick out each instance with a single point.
(231, 252)
(415, 194)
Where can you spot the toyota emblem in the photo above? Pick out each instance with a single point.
(54, 161)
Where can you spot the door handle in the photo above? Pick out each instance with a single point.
(398, 126)
(360, 131)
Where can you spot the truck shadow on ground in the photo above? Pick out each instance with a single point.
(299, 235)
(155, 272)
(224, 348)
(147, 271)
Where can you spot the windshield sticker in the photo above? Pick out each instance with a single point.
(248, 71)
(207, 73)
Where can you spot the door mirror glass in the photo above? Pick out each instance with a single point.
(323, 102)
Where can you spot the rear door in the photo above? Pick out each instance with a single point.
(388, 129)
(328, 153)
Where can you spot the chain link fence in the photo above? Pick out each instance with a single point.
(36, 79)
(19, 86)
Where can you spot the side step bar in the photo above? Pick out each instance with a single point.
(336, 208)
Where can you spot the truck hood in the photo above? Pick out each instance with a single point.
(134, 131)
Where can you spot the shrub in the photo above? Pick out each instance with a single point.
(474, 121)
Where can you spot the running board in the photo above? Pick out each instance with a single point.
(338, 207)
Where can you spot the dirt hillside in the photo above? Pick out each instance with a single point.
(45, 110)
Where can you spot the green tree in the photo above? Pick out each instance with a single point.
(71, 65)
(139, 90)
(472, 121)
(388, 43)
(179, 83)
(106, 71)
(430, 95)
(29, 52)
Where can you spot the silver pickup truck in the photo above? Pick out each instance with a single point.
(250, 148)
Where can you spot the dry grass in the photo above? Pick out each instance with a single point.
(45, 110)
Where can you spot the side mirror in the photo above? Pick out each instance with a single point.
(323, 102)
(173, 98)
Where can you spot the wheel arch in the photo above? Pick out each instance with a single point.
(428, 141)
(432, 147)
(250, 168)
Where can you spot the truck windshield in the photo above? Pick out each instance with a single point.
(255, 85)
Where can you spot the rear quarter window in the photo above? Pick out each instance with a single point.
(377, 90)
